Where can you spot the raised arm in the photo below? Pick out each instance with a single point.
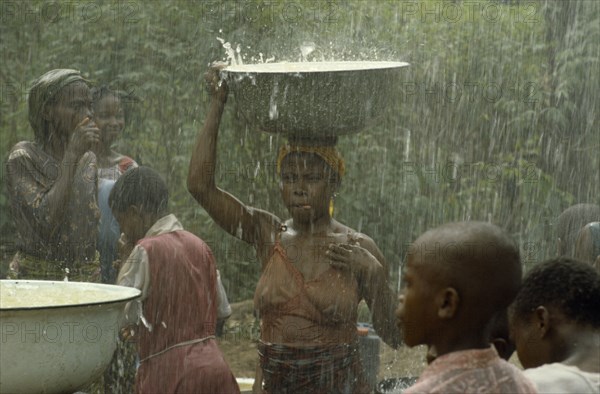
(78, 168)
(246, 223)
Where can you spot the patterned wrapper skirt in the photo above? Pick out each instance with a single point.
(316, 369)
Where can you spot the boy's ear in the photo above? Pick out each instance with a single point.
(541, 319)
(447, 302)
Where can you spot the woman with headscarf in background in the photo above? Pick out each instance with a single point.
(315, 270)
(52, 183)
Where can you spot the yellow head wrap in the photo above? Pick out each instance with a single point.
(328, 153)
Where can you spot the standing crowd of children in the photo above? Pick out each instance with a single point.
(463, 293)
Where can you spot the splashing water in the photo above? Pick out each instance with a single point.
(238, 52)
(407, 146)
(234, 57)
(273, 113)
(306, 49)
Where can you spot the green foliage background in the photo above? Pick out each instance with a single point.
(496, 118)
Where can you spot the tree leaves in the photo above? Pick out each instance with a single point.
(490, 122)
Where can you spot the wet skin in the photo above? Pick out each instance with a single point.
(306, 188)
(530, 348)
(416, 314)
(448, 301)
(110, 119)
(69, 119)
(71, 134)
(134, 224)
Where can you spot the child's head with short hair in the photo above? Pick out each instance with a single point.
(587, 247)
(557, 296)
(457, 278)
(570, 222)
(137, 200)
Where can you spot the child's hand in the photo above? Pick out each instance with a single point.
(215, 85)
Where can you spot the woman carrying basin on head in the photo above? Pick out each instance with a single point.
(52, 184)
(307, 300)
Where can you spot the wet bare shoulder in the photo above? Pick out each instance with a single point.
(340, 228)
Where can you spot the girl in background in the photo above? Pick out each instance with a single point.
(109, 116)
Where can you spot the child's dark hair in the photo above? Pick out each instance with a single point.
(142, 187)
(571, 286)
(499, 325)
(570, 221)
(587, 247)
(126, 99)
(500, 336)
(98, 92)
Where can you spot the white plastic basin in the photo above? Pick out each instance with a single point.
(57, 337)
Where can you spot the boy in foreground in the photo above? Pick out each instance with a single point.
(458, 277)
(175, 270)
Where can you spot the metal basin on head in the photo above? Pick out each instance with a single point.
(313, 99)
(57, 337)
